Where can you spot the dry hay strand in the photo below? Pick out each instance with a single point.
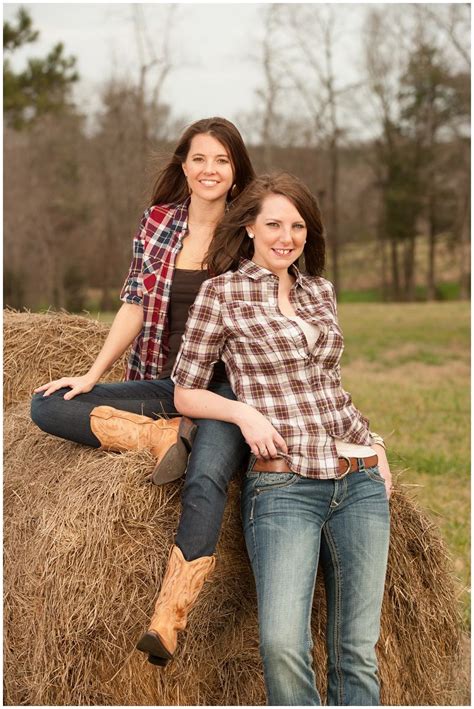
(86, 545)
(39, 348)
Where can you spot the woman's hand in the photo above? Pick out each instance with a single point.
(78, 385)
(384, 468)
(261, 436)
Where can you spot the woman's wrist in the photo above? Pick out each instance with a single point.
(92, 377)
(241, 413)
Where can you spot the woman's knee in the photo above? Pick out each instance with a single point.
(43, 407)
(280, 647)
(37, 409)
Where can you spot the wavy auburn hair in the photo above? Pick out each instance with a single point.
(171, 185)
(231, 242)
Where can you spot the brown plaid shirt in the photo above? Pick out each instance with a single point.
(236, 318)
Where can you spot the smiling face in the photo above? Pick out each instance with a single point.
(279, 234)
(208, 168)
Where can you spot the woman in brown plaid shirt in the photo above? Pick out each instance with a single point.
(318, 482)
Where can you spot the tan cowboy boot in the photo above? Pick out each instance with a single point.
(170, 440)
(181, 586)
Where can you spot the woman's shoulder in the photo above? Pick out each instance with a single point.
(161, 213)
(220, 281)
(219, 284)
(319, 284)
(160, 221)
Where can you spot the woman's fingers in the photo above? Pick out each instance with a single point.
(54, 386)
(280, 443)
(263, 451)
(254, 449)
(72, 393)
(264, 441)
(42, 388)
(272, 451)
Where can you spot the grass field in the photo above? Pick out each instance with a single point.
(408, 369)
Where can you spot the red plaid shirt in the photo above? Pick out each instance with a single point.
(155, 247)
(236, 318)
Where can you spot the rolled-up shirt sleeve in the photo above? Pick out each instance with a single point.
(132, 289)
(202, 342)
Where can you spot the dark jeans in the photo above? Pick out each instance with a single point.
(219, 448)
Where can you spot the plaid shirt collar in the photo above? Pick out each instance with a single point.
(256, 272)
(179, 221)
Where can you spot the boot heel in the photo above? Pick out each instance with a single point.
(187, 432)
(173, 465)
(151, 644)
(159, 661)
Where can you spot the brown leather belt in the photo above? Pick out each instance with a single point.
(346, 465)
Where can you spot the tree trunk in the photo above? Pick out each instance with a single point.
(333, 210)
(106, 302)
(381, 240)
(409, 269)
(395, 269)
(431, 282)
(464, 251)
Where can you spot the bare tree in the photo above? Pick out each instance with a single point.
(452, 22)
(270, 93)
(155, 65)
(315, 33)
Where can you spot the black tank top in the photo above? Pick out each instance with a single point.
(184, 289)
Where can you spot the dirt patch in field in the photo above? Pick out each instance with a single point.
(413, 371)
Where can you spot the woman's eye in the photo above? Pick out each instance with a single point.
(272, 223)
(223, 161)
(299, 226)
(197, 159)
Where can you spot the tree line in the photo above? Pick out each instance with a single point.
(386, 153)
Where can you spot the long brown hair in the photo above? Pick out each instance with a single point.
(170, 184)
(231, 241)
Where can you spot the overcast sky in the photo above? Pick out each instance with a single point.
(212, 48)
(210, 44)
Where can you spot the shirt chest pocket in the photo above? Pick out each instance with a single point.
(247, 321)
(331, 348)
(260, 344)
(151, 273)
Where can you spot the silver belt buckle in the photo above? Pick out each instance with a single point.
(344, 457)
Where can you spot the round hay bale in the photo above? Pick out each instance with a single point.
(38, 348)
(86, 544)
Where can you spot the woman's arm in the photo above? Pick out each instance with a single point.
(126, 325)
(257, 430)
(202, 346)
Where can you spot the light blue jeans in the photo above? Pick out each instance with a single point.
(291, 523)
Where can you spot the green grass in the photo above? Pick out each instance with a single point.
(106, 317)
(444, 291)
(408, 369)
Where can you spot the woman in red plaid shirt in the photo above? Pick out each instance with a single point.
(318, 482)
(209, 167)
